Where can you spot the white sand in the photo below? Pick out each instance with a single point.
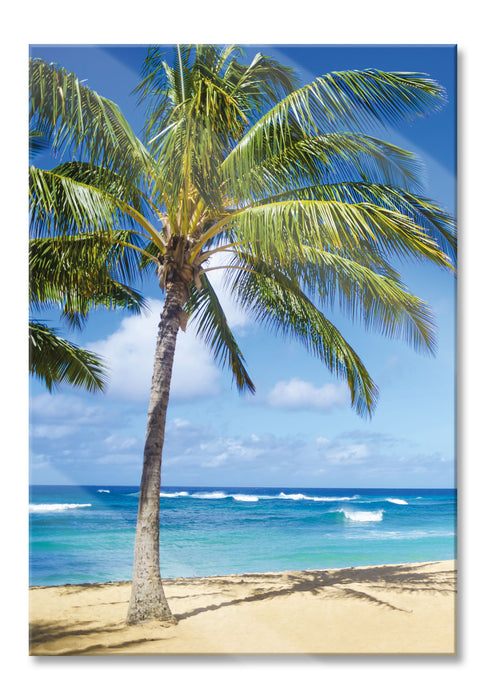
(394, 609)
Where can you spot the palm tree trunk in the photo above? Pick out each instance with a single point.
(148, 600)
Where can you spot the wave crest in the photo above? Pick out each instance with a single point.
(163, 494)
(210, 494)
(362, 516)
(55, 507)
(302, 497)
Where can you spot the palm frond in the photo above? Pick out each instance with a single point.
(39, 141)
(320, 160)
(79, 273)
(276, 302)
(61, 205)
(212, 326)
(77, 120)
(364, 231)
(56, 361)
(337, 101)
(375, 298)
(423, 212)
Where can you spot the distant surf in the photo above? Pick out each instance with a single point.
(86, 534)
(253, 498)
(55, 507)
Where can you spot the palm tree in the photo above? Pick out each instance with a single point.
(79, 272)
(277, 184)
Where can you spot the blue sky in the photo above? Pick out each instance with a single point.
(298, 429)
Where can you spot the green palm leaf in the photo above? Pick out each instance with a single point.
(425, 213)
(313, 210)
(323, 159)
(76, 119)
(206, 311)
(374, 298)
(274, 301)
(56, 361)
(78, 274)
(344, 100)
(280, 230)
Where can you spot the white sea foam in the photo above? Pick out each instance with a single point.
(173, 495)
(244, 497)
(302, 497)
(331, 499)
(398, 501)
(210, 494)
(362, 516)
(103, 491)
(55, 507)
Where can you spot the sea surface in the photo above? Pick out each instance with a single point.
(83, 534)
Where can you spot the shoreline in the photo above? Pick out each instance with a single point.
(170, 579)
(387, 609)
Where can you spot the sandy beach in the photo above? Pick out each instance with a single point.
(393, 609)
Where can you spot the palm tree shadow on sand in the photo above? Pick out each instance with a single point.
(370, 585)
(340, 584)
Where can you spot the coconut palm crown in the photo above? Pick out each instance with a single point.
(276, 183)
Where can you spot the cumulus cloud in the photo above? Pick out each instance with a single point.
(129, 354)
(51, 432)
(54, 417)
(129, 351)
(349, 458)
(225, 450)
(297, 394)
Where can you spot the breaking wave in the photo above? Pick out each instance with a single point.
(302, 497)
(362, 516)
(163, 494)
(55, 507)
(253, 498)
(210, 494)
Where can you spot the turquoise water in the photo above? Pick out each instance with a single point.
(83, 534)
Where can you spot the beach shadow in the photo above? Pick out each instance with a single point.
(45, 633)
(337, 584)
(370, 585)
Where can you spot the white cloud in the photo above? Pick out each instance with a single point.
(51, 432)
(180, 423)
(234, 449)
(349, 454)
(129, 351)
(129, 355)
(117, 443)
(298, 394)
(54, 407)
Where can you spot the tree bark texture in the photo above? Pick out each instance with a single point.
(148, 600)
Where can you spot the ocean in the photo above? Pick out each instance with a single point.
(85, 534)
